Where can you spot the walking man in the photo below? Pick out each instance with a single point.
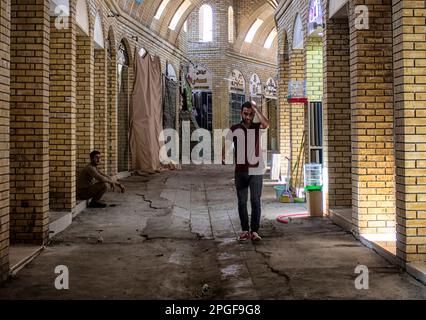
(246, 137)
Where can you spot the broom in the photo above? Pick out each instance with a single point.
(296, 165)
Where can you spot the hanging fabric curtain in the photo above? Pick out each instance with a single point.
(170, 103)
(146, 114)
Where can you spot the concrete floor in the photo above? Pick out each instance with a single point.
(174, 232)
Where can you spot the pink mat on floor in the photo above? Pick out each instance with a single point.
(283, 217)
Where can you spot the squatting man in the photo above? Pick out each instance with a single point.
(92, 183)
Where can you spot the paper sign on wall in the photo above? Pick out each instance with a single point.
(255, 86)
(200, 78)
(237, 82)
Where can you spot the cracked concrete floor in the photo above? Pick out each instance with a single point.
(173, 232)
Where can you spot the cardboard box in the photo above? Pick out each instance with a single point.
(315, 205)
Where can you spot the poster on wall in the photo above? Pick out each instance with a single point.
(171, 73)
(237, 83)
(255, 86)
(200, 78)
(271, 89)
(315, 21)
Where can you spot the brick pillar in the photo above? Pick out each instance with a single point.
(337, 114)
(314, 69)
(283, 105)
(4, 137)
(101, 106)
(410, 131)
(85, 101)
(373, 161)
(29, 121)
(314, 81)
(112, 112)
(297, 118)
(63, 115)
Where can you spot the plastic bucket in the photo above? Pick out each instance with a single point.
(279, 191)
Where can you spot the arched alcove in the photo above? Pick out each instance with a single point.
(98, 35)
(82, 16)
(298, 33)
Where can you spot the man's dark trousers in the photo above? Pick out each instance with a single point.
(244, 181)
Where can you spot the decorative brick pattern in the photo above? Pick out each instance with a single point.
(29, 121)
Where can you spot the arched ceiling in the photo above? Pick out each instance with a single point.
(256, 48)
(147, 9)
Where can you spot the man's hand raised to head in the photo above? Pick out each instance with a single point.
(264, 122)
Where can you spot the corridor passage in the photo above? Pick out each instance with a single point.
(173, 233)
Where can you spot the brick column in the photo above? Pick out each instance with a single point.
(373, 161)
(29, 121)
(4, 136)
(283, 105)
(314, 69)
(112, 113)
(85, 101)
(314, 81)
(410, 131)
(63, 115)
(101, 106)
(297, 117)
(337, 114)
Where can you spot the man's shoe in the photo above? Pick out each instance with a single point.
(95, 204)
(255, 236)
(245, 235)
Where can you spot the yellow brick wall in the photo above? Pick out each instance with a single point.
(373, 192)
(112, 135)
(298, 123)
(293, 116)
(410, 133)
(62, 117)
(101, 107)
(85, 100)
(283, 105)
(314, 69)
(29, 121)
(337, 114)
(4, 136)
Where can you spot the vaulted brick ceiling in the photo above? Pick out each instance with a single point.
(145, 11)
